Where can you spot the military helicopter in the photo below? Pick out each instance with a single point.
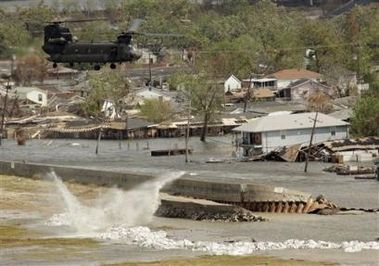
(63, 47)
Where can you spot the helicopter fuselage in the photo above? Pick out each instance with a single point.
(89, 52)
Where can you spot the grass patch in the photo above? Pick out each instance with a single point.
(14, 232)
(226, 261)
(17, 236)
(22, 184)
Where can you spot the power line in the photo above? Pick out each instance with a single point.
(229, 51)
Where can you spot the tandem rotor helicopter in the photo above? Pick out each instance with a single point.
(62, 46)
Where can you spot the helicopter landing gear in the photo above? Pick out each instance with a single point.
(55, 65)
(96, 67)
(113, 66)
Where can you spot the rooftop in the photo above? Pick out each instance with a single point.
(263, 93)
(260, 80)
(289, 121)
(295, 74)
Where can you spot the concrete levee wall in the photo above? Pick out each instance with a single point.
(233, 192)
(262, 193)
(76, 174)
(218, 191)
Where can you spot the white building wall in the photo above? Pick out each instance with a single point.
(232, 84)
(273, 140)
(283, 83)
(37, 97)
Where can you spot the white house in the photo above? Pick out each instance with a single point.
(269, 83)
(287, 76)
(232, 84)
(32, 94)
(268, 133)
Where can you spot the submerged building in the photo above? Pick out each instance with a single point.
(265, 134)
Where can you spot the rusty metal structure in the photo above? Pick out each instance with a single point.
(253, 197)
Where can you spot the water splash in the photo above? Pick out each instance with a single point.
(115, 207)
(144, 237)
(119, 215)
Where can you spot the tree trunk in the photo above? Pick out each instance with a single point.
(205, 128)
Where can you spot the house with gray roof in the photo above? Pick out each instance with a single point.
(302, 89)
(265, 134)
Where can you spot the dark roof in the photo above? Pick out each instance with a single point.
(303, 81)
(298, 82)
(135, 123)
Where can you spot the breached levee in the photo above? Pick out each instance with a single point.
(200, 209)
(252, 197)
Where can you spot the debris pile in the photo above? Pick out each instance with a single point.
(336, 151)
(347, 150)
(200, 210)
(342, 169)
(320, 205)
(249, 196)
(235, 215)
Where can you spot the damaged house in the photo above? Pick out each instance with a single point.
(31, 95)
(302, 89)
(266, 134)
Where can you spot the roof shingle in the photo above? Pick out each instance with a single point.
(290, 74)
(288, 122)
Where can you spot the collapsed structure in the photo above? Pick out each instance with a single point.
(250, 196)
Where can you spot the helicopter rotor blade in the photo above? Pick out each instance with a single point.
(172, 35)
(75, 20)
(136, 23)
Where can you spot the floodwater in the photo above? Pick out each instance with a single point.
(134, 156)
(69, 217)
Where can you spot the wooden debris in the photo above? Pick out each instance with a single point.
(170, 152)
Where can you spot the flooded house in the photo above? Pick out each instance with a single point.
(265, 134)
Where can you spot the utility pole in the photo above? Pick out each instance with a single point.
(7, 87)
(150, 76)
(310, 143)
(188, 127)
(98, 140)
(247, 96)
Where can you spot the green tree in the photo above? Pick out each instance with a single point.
(365, 120)
(362, 33)
(3, 47)
(35, 18)
(96, 31)
(106, 85)
(205, 97)
(30, 68)
(156, 110)
(14, 33)
(323, 37)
